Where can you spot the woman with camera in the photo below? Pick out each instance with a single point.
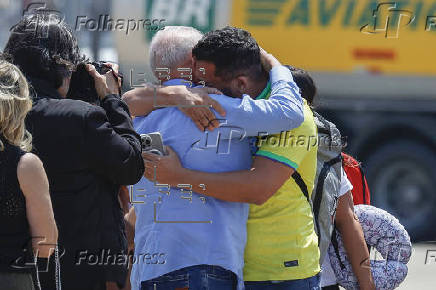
(25, 207)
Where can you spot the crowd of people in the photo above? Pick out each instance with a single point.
(219, 210)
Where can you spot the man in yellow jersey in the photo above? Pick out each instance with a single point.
(282, 247)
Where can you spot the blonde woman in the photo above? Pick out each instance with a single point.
(26, 215)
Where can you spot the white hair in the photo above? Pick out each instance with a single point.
(170, 47)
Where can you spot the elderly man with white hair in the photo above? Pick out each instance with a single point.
(185, 240)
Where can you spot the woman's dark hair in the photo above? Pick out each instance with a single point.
(305, 82)
(43, 46)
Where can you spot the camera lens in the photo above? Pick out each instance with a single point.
(146, 140)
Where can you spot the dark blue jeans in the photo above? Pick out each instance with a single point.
(201, 277)
(311, 283)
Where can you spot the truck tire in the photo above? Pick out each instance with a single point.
(402, 181)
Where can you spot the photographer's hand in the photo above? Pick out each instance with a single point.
(105, 84)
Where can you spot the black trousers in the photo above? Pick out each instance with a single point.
(16, 281)
(72, 276)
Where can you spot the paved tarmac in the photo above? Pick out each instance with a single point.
(422, 268)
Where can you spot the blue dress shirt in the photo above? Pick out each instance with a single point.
(177, 228)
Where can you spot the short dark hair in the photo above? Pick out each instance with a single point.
(305, 82)
(232, 50)
(43, 46)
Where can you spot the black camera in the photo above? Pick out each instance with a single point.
(82, 85)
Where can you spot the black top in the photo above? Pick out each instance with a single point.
(88, 151)
(14, 228)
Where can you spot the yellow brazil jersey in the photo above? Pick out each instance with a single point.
(281, 240)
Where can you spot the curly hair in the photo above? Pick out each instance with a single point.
(232, 50)
(43, 46)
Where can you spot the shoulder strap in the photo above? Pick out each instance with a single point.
(326, 125)
(320, 186)
(316, 205)
(363, 183)
(336, 247)
(302, 185)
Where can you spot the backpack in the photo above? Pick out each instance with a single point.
(327, 182)
(355, 174)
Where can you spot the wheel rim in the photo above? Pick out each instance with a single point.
(404, 188)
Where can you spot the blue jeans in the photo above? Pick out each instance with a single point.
(311, 283)
(201, 277)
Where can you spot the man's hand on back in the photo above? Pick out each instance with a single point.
(196, 104)
(268, 60)
(203, 117)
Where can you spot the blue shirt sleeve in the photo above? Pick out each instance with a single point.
(283, 111)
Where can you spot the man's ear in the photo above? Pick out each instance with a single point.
(241, 83)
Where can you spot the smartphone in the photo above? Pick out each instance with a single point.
(153, 143)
